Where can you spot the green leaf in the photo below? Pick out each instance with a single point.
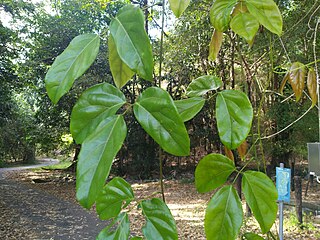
(234, 117)
(245, 25)
(121, 232)
(112, 198)
(190, 107)
(220, 14)
(252, 236)
(71, 64)
(267, 13)
(160, 223)
(212, 172)
(215, 45)
(132, 42)
(261, 195)
(94, 105)
(159, 117)
(224, 215)
(178, 6)
(96, 156)
(120, 71)
(202, 85)
(136, 238)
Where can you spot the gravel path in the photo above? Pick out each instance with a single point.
(27, 213)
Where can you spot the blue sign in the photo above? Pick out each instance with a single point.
(283, 177)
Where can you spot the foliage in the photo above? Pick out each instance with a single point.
(203, 84)
(158, 115)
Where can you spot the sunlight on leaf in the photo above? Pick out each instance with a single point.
(178, 6)
(112, 198)
(160, 222)
(245, 25)
(120, 71)
(212, 172)
(94, 105)
(220, 14)
(267, 13)
(190, 107)
(71, 64)
(96, 157)
(120, 232)
(132, 42)
(261, 195)
(234, 117)
(201, 85)
(224, 215)
(159, 117)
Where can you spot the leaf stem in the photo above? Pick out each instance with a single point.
(247, 163)
(140, 201)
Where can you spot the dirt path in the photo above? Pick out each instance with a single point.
(41, 163)
(27, 213)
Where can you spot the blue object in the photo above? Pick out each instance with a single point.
(283, 176)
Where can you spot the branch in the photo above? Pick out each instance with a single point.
(282, 130)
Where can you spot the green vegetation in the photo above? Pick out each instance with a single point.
(141, 106)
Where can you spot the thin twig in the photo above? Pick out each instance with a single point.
(288, 126)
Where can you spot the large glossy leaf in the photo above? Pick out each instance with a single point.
(267, 13)
(159, 117)
(261, 195)
(212, 172)
(114, 196)
(132, 42)
(120, 71)
(220, 14)
(215, 45)
(224, 215)
(245, 25)
(94, 105)
(297, 77)
(120, 232)
(178, 6)
(188, 108)
(159, 221)
(71, 64)
(202, 85)
(312, 86)
(234, 117)
(96, 157)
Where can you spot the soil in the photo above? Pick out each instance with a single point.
(186, 205)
